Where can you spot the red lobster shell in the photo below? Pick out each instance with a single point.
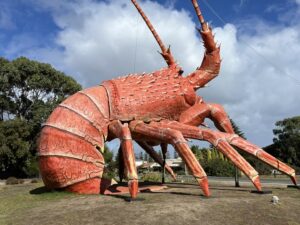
(70, 139)
(77, 129)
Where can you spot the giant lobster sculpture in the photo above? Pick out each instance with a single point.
(158, 108)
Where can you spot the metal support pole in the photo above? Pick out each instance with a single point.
(121, 164)
(237, 177)
(164, 149)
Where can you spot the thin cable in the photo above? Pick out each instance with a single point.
(251, 47)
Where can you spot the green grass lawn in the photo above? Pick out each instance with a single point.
(31, 204)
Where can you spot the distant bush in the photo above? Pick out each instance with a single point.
(180, 172)
(219, 167)
(297, 168)
(151, 176)
(21, 181)
(34, 181)
(12, 181)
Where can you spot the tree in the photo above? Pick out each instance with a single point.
(146, 157)
(110, 164)
(14, 147)
(196, 151)
(261, 167)
(168, 155)
(29, 91)
(175, 154)
(141, 155)
(286, 143)
(237, 130)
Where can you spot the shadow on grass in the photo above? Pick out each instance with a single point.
(44, 190)
(196, 186)
(127, 198)
(40, 190)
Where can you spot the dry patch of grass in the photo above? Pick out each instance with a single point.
(179, 204)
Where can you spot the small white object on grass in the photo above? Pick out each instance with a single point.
(275, 199)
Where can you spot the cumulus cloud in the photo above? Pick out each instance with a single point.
(102, 40)
(259, 81)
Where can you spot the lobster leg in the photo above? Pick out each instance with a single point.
(153, 154)
(263, 156)
(196, 115)
(123, 133)
(145, 131)
(233, 139)
(218, 140)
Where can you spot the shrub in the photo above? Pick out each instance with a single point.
(12, 181)
(108, 173)
(21, 181)
(34, 181)
(219, 167)
(152, 177)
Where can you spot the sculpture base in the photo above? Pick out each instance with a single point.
(261, 192)
(122, 188)
(294, 186)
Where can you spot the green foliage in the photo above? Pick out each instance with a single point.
(35, 181)
(252, 160)
(168, 155)
(146, 157)
(175, 155)
(219, 167)
(213, 162)
(110, 163)
(200, 153)
(141, 155)
(15, 151)
(151, 177)
(287, 141)
(29, 91)
(13, 181)
(237, 130)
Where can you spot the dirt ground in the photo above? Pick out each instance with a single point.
(30, 204)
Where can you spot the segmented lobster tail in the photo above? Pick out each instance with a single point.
(70, 141)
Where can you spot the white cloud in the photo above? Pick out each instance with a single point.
(99, 41)
(105, 37)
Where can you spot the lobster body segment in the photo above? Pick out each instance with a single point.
(70, 139)
(163, 94)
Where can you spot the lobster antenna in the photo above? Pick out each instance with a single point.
(166, 53)
(204, 24)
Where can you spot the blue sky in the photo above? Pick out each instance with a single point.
(20, 17)
(97, 40)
